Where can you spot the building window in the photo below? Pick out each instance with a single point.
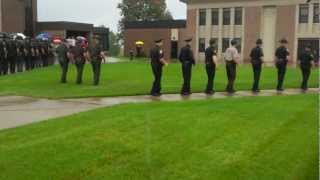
(238, 16)
(226, 16)
(239, 43)
(303, 13)
(202, 45)
(215, 16)
(316, 13)
(202, 17)
(225, 44)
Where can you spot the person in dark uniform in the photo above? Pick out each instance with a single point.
(33, 55)
(44, 54)
(12, 55)
(282, 57)
(157, 62)
(38, 53)
(96, 56)
(20, 55)
(187, 60)
(232, 59)
(210, 61)
(256, 56)
(5, 63)
(306, 59)
(62, 52)
(1, 55)
(27, 54)
(79, 60)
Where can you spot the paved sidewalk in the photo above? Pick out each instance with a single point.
(17, 111)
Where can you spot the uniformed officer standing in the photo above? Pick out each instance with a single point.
(62, 51)
(12, 55)
(1, 55)
(282, 57)
(20, 55)
(157, 62)
(79, 59)
(256, 61)
(27, 53)
(210, 60)
(38, 53)
(5, 63)
(187, 60)
(232, 59)
(96, 56)
(33, 55)
(44, 54)
(306, 59)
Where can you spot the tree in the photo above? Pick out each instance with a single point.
(114, 48)
(142, 10)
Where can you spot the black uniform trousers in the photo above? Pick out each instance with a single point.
(157, 73)
(27, 62)
(96, 68)
(257, 67)
(45, 61)
(4, 66)
(211, 71)
(12, 64)
(80, 66)
(306, 71)
(231, 68)
(33, 62)
(64, 63)
(20, 63)
(186, 72)
(282, 68)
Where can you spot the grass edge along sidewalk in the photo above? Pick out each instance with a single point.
(135, 78)
(236, 138)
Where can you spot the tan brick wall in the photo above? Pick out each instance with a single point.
(13, 15)
(252, 30)
(147, 36)
(285, 28)
(191, 26)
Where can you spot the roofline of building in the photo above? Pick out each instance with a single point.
(160, 24)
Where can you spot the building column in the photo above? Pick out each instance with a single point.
(208, 26)
(232, 26)
(220, 33)
(310, 19)
(196, 51)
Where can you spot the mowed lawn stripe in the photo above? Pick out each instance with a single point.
(135, 78)
(243, 138)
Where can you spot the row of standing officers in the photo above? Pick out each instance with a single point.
(78, 55)
(19, 55)
(231, 58)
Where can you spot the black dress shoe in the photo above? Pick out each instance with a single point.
(209, 93)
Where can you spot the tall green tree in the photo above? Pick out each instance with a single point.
(141, 10)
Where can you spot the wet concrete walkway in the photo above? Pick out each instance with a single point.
(17, 110)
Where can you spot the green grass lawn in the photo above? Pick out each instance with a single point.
(133, 78)
(261, 138)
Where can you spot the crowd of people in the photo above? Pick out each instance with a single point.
(231, 58)
(18, 55)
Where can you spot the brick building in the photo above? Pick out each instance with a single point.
(173, 33)
(248, 20)
(18, 16)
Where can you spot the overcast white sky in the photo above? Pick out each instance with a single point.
(98, 12)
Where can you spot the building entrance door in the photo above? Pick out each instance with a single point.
(269, 32)
(174, 49)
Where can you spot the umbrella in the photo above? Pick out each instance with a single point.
(81, 38)
(139, 43)
(43, 36)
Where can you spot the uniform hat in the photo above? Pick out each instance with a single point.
(158, 40)
(284, 41)
(259, 41)
(212, 41)
(188, 40)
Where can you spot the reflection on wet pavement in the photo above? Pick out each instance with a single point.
(17, 111)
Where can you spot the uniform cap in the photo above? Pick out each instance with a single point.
(284, 41)
(259, 41)
(188, 40)
(158, 40)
